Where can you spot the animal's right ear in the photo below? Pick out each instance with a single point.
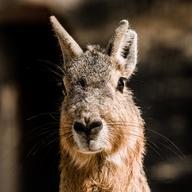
(123, 48)
(70, 49)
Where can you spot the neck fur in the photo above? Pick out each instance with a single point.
(100, 173)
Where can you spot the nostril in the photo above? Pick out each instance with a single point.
(87, 129)
(95, 126)
(79, 127)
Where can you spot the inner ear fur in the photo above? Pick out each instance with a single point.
(123, 48)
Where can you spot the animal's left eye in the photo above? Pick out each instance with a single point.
(120, 84)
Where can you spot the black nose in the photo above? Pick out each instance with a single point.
(91, 128)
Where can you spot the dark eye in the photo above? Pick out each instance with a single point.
(82, 82)
(120, 84)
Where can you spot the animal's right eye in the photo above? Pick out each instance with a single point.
(82, 82)
(120, 84)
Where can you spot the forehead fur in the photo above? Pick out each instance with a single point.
(93, 66)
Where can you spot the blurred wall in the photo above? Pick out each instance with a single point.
(30, 97)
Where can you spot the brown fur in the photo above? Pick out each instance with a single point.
(104, 151)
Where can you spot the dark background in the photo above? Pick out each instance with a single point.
(29, 56)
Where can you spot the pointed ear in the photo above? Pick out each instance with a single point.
(123, 48)
(70, 49)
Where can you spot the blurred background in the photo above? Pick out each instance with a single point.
(30, 95)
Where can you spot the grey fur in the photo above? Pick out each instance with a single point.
(101, 131)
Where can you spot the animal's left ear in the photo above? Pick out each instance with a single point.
(123, 48)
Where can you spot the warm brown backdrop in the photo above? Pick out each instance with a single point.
(162, 86)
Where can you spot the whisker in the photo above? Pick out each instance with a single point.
(182, 156)
(41, 134)
(42, 114)
(55, 141)
(44, 70)
(40, 143)
(46, 127)
(49, 65)
(121, 123)
(127, 133)
(124, 124)
(155, 149)
(53, 65)
(30, 138)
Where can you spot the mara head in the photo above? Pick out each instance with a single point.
(98, 115)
